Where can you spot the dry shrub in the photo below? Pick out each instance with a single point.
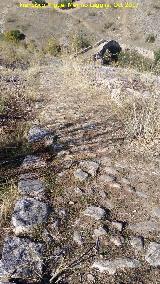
(8, 197)
(52, 47)
(140, 115)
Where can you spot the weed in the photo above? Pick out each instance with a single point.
(79, 41)
(52, 47)
(14, 36)
(151, 38)
(157, 56)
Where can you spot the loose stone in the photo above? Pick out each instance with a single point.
(90, 167)
(137, 243)
(118, 225)
(80, 175)
(111, 266)
(78, 238)
(30, 186)
(28, 215)
(32, 162)
(106, 178)
(100, 232)
(94, 212)
(153, 254)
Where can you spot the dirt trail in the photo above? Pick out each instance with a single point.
(87, 126)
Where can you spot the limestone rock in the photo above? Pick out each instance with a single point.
(100, 232)
(94, 212)
(28, 215)
(78, 238)
(156, 212)
(37, 134)
(22, 259)
(145, 227)
(80, 175)
(78, 190)
(106, 178)
(30, 186)
(111, 266)
(118, 225)
(90, 167)
(117, 241)
(153, 254)
(115, 185)
(111, 171)
(137, 243)
(32, 162)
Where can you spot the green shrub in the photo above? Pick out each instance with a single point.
(150, 38)
(40, 2)
(52, 47)
(65, 4)
(14, 36)
(157, 56)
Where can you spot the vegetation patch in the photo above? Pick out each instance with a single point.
(52, 47)
(151, 38)
(14, 36)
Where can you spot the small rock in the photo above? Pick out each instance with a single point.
(22, 259)
(115, 185)
(153, 254)
(117, 241)
(125, 181)
(32, 162)
(111, 266)
(62, 213)
(100, 232)
(95, 212)
(90, 167)
(141, 194)
(78, 191)
(106, 178)
(31, 187)
(137, 243)
(62, 174)
(102, 193)
(57, 147)
(80, 175)
(78, 238)
(90, 278)
(118, 225)
(144, 227)
(37, 134)
(28, 214)
(156, 212)
(111, 171)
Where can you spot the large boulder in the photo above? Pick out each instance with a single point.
(109, 52)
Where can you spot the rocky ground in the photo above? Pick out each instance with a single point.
(80, 153)
(88, 207)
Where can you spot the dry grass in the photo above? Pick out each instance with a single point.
(140, 115)
(8, 197)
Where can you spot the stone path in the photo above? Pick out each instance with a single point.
(24, 259)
